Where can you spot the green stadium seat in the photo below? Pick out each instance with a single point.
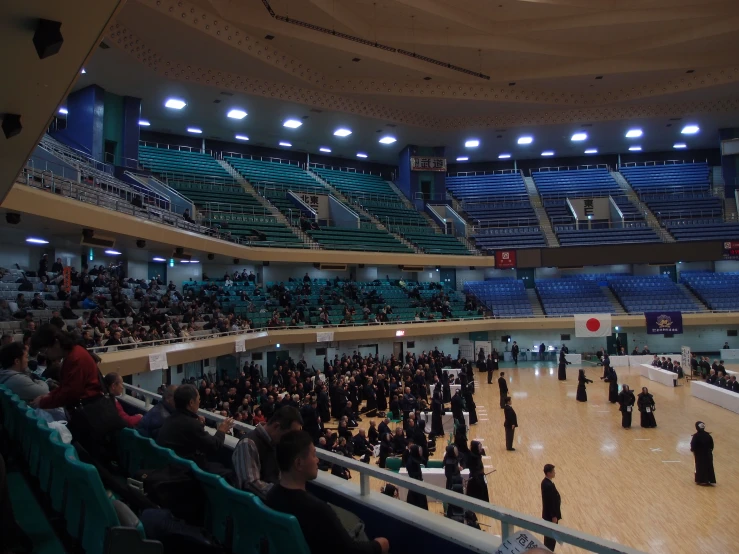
(394, 464)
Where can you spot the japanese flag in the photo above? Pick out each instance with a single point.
(592, 325)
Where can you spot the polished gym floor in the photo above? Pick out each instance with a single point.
(633, 486)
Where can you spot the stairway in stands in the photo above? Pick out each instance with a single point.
(718, 190)
(652, 221)
(544, 224)
(536, 307)
(617, 307)
(698, 302)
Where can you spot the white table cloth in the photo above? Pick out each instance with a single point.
(729, 354)
(432, 476)
(619, 361)
(573, 358)
(713, 394)
(667, 378)
(447, 420)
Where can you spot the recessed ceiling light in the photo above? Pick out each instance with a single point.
(548, 153)
(473, 143)
(690, 130)
(236, 114)
(159, 260)
(83, 71)
(241, 137)
(634, 148)
(34, 240)
(144, 123)
(63, 111)
(388, 140)
(285, 143)
(325, 149)
(361, 155)
(634, 133)
(591, 151)
(112, 252)
(184, 261)
(194, 130)
(194, 261)
(342, 132)
(679, 145)
(462, 159)
(577, 137)
(292, 123)
(175, 104)
(525, 140)
(503, 156)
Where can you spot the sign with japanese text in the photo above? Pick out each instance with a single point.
(520, 542)
(731, 250)
(505, 259)
(427, 163)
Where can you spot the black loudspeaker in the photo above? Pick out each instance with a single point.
(211, 256)
(11, 125)
(141, 243)
(236, 260)
(48, 38)
(13, 218)
(179, 251)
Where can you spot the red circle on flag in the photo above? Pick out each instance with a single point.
(592, 324)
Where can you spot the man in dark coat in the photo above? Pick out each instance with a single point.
(514, 352)
(503, 385)
(510, 424)
(492, 365)
(551, 503)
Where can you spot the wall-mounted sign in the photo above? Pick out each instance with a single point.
(427, 163)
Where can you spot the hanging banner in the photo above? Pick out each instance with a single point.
(731, 250)
(240, 345)
(427, 163)
(67, 273)
(660, 323)
(326, 336)
(505, 259)
(158, 361)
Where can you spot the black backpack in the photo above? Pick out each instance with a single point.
(175, 488)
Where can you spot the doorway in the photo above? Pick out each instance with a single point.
(426, 189)
(274, 359)
(448, 276)
(617, 339)
(527, 276)
(670, 271)
(398, 350)
(110, 147)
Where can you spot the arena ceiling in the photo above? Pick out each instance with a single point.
(431, 72)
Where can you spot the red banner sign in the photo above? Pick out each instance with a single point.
(67, 286)
(731, 250)
(505, 259)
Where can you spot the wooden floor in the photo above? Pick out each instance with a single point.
(635, 486)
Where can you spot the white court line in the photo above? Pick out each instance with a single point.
(671, 461)
(603, 411)
(642, 439)
(487, 457)
(483, 419)
(480, 440)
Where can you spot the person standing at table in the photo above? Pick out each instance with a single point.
(645, 402)
(626, 401)
(514, 352)
(701, 445)
(582, 393)
(503, 386)
(510, 424)
(551, 503)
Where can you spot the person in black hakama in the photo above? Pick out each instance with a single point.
(562, 370)
(477, 487)
(413, 466)
(481, 360)
(458, 407)
(612, 386)
(452, 467)
(446, 390)
(437, 410)
(386, 449)
(381, 394)
(460, 441)
(503, 386)
(492, 365)
(626, 401)
(606, 365)
(582, 394)
(370, 396)
(469, 403)
(645, 403)
(701, 445)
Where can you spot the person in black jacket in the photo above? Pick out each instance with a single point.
(458, 407)
(514, 353)
(12, 537)
(503, 385)
(551, 503)
(701, 445)
(492, 365)
(510, 424)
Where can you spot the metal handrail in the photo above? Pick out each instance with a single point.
(346, 169)
(568, 168)
(260, 158)
(656, 163)
(174, 147)
(509, 519)
(487, 172)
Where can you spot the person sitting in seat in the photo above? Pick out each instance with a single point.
(14, 374)
(154, 419)
(115, 386)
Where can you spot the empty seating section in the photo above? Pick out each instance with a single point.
(504, 297)
(248, 228)
(431, 242)
(183, 165)
(717, 290)
(374, 240)
(703, 229)
(498, 206)
(556, 187)
(572, 296)
(651, 293)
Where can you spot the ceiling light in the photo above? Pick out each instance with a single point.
(679, 145)
(285, 143)
(634, 133)
(83, 71)
(635, 148)
(241, 137)
(342, 132)
(504, 156)
(690, 130)
(159, 259)
(184, 261)
(388, 140)
(579, 137)
(292, 123)
(63, 111)
(33, 240)
(236, 114)
(525, 140)
(112, 252)
(548, 153)
(591, 151)
(144, 123)
(325, 149)
(474, 143)
(194, 261)
(361, 155)
(194, 130)
(462, 159)
(175, 104)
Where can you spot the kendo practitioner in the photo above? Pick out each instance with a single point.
(510, 424)
(469, 402)
(612, 386)
(503, 386)
(446, 390)
(562, 370)
(437, 410)
(480, 359)
(626, 401)
(701, 445)
(477, 486)
(514, 352)
(370, 396)
(458, 407)
(582, 394)
(645, 403)
(452, 467)
(381, 394)
(492, 365)
(413, 466)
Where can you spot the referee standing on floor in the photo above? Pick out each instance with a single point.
(510, 424)
(550, 502)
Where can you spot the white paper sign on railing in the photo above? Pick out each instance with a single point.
(520, 542)
(325, 336)
(158, 361)
(240, 345)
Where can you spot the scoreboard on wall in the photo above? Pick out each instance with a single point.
(731, 250)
